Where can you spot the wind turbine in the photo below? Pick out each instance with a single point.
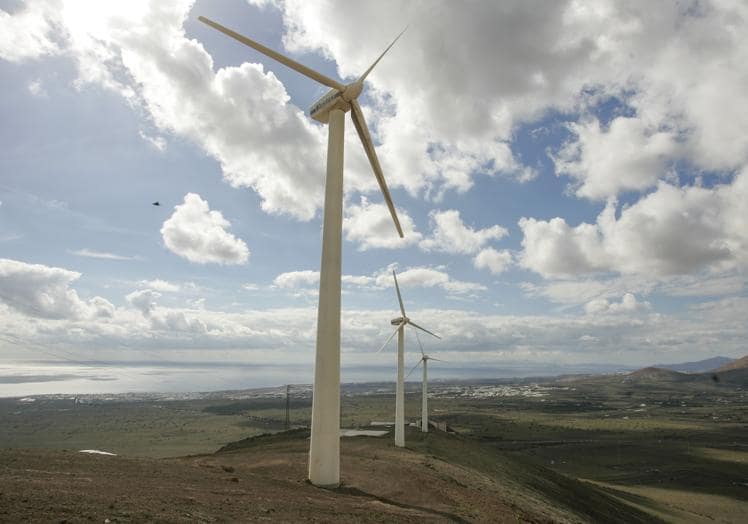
(324, 448)
(424, 386)
(401, 322)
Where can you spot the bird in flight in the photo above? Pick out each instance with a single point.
(156, 203)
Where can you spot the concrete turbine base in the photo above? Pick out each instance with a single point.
(324, 447)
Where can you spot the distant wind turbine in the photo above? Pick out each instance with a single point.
(324, 448)
(424, 386)
(401, 322)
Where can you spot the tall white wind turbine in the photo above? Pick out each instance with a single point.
(424, 386)
(324, 449)
(401, 322)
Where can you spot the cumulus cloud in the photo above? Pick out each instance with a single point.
(672, 65)
(144, 300)
(177, 322)
(493, 260)
(450, 235)
(43, 291)
(29, 32)
(295, 279)
(626, 157)
(371, 226)
(200, 235)
(628, 304)
(673, 230)
(239, 115)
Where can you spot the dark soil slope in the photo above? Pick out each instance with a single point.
(438, 478)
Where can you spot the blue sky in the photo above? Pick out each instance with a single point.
(571, 180)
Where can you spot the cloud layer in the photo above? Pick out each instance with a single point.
(673, 230)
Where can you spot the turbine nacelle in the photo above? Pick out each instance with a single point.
(399, 320)
(335, 99)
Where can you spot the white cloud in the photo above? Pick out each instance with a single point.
(372, 227)
(705, 285)
(161, 285)
(90, 253)
(144, 300)
(296, 279)
(43, 291)
(158, 142)
(628, 156)
(28, 32)
(415, 276)
(426, 277)
(177, 322)
(287, 335)
(357, 280)
(582, 290)
(493, 260)
(239, 115)
(670, 231)
(628, 304)
(450, 235)
(553, 248)
(673, 65)
(37, 89)
(200, 235)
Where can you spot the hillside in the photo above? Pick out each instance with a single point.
(741, 363)
(733, 373)
(438, 478)
(653, 374)
(700, 366)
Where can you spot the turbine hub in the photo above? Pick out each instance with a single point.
(352, 91)
(399, 320)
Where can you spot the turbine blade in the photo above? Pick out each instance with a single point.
(423, 329)
(390, 337)
(414, 368)
(399, 297)
(418, 338)
(366, 73)
(437, 359)
(275, 55)
(357, 115)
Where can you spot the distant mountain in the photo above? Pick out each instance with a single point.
(741, 363)
(653, 374)
(701, 366)
(735, 372)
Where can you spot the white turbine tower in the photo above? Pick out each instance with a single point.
(324, 449)
(401, 322)
(424, 386)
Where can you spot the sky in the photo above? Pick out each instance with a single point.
(571, 178)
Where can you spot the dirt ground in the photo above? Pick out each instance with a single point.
(262, 482)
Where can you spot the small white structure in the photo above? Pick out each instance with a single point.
(324, 448)
(424, 388)
(401, 322)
